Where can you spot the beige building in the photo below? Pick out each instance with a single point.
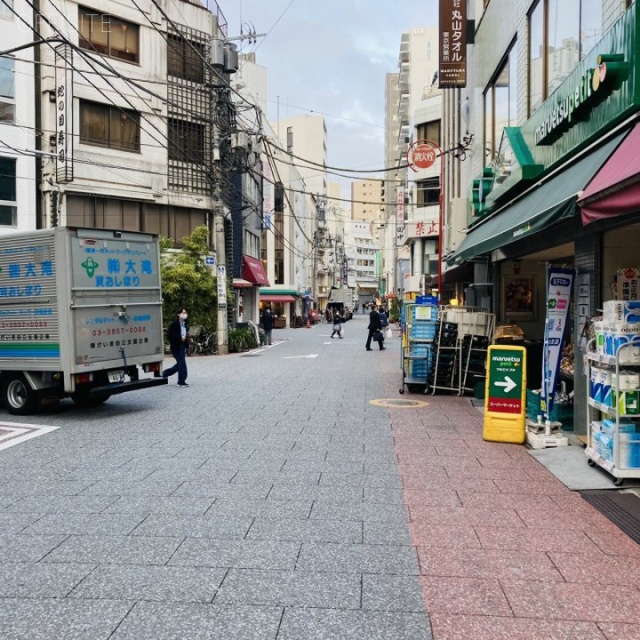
(367, 200)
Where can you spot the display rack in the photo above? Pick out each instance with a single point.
(477, 334)
(612, 406)
(417, 348)
(463, 335)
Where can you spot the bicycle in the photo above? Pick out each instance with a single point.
(202, 342)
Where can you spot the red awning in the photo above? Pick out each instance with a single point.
(253, 271)
(615, 189)
(239, 283)
(272, 297)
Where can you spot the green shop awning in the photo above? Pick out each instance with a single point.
(551, 202)
(275, 292)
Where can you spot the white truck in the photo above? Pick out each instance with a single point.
(80, 316)
(341, 299)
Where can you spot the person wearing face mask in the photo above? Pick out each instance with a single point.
(178, 334)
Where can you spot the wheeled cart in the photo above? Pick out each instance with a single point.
(417, 344)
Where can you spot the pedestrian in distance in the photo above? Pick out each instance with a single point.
(337, 324)
(267, 324)
(327, 315)
(178, 334)
(375, 329)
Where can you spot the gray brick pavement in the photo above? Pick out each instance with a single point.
(262, 503)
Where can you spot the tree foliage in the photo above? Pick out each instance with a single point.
(187, 281)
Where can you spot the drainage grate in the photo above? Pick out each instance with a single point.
(623, 509)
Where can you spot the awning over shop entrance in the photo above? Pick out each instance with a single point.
(615, 190)
(253, 271)
(550, 202)
(272, 297)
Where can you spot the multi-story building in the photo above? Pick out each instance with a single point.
(413, 104)
(18, 134)
(367, 200)
(553, 107)
(139, 134)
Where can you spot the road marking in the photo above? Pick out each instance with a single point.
(12, 433)
(311, 355)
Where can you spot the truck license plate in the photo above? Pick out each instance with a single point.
(116, 376)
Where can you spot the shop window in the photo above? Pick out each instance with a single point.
(185, 58)
(429, 131)
(108, 35)
(186, 141)
(7, 91)
(8, 208)
(561, 33)
(109, 126)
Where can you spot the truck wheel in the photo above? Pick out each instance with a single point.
(18, 396)
(83, 399)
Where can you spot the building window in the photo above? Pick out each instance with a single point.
(429, 131)
(186, 141)
(427, 192)
(501, 102)
(289, 139)
(6, 10)
(8, 209)
(7, 91)
(278, 200)
(185, 58)
(108, 126)
(561, 33)
(108, 35)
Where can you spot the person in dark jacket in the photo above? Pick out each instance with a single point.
(337, 324)
(178, 334)
(374, 326)
(267, 324)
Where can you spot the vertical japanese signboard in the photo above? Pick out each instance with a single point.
(267, 189)
(64, 113)
(400, 215)
(452, 71)
(505, 392)
(559, 286)
(345, 271)
(222, 286)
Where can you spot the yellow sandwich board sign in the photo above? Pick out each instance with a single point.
(505, 394)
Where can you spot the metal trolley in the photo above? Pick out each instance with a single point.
(417, 344)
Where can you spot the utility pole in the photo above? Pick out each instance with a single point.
(219, 236)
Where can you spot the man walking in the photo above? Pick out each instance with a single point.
(374, 327)
(267, 324)
(178, 334)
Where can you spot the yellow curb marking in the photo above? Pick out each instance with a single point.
(396, 403)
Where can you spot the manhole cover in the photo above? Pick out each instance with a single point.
(623, 509)
(395, 403)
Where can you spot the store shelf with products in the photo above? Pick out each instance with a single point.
(419, 330)
(613, 402)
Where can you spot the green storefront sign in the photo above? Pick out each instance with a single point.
(597, 95)
(505, 380)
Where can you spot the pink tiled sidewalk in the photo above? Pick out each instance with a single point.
(506, 550)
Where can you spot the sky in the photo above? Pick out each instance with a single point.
(330, 57)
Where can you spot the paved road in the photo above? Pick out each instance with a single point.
(275, 500)
(263, 502)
